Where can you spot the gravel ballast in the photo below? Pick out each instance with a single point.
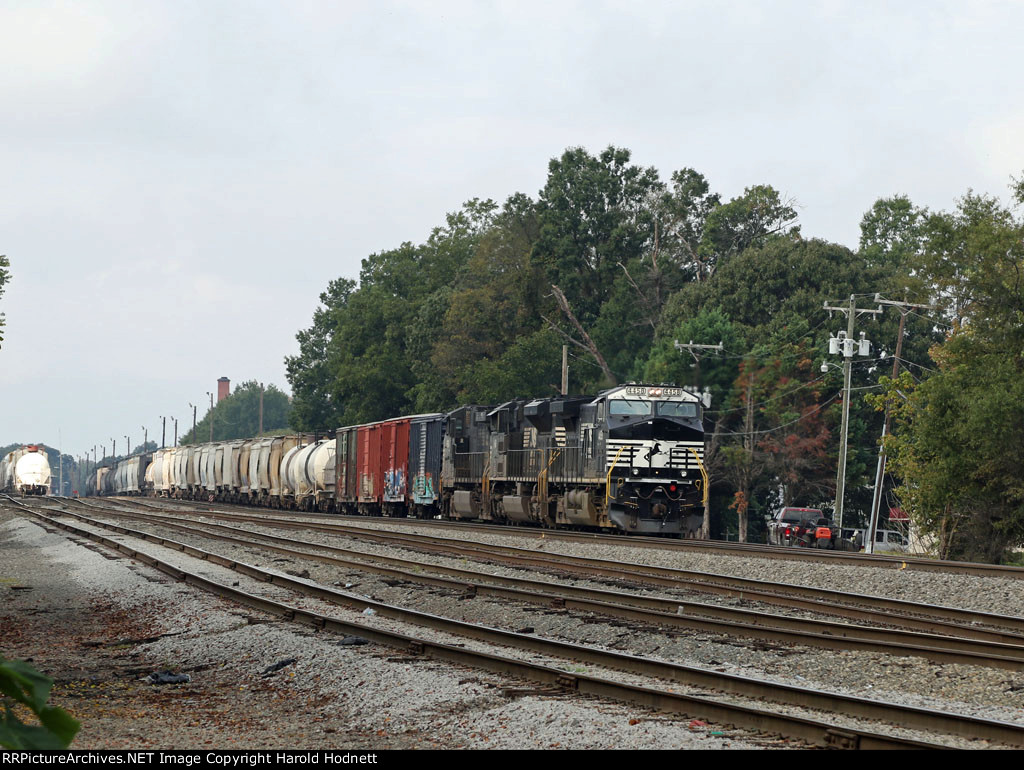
(717, 651)
(78, 613)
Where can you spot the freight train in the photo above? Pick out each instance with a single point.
(25, 471)
(629, 459)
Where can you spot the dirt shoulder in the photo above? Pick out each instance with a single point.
(91, 637)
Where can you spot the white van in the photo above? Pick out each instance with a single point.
(885, 540)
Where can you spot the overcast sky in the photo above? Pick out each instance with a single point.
(182, 179)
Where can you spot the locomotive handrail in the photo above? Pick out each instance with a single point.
(542, 488)
(704, 475)
(608, 478)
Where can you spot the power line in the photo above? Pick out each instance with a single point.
(805, 335)
(770, 400)
(935, 321)
(919, 366)
(784, 425)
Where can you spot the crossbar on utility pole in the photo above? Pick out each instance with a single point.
(691, 347)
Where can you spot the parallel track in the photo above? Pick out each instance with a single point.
(929, 618)
(882, 561)
(812, 730)
(1004, 652)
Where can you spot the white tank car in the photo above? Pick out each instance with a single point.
(313, 465)
(321, 470)
(32, 472)
(298, 479)
(289, 479)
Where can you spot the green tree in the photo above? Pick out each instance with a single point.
(959, 444)
(492, 309)
(366, 353)
(594, 214)
(238, 414)
(681, 217)
(308, 373)
(746, 221)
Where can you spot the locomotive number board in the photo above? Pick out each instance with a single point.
(658, 392)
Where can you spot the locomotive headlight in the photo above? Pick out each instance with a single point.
(636, 471)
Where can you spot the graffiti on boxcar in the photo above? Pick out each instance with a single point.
(423, 487)
(394, 483)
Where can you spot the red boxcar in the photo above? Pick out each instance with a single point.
(394, 458)
(371, 479)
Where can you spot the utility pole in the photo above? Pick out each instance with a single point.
(691, 347)
(163, 433)
(145, 437)
(211, 415)
(194, 408)
(565, 370)
(175, 430)
(876, 500)
(128, 451)
(113, 452)
(696, 351)
(845, 345)
(261, 410)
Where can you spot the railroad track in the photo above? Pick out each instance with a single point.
(883, 561)
(993, 649)
(661, 697)
(928, 618)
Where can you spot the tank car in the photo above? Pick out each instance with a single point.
(26, 471)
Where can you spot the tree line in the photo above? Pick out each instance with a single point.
(619, 263)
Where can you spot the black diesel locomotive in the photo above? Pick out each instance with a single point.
(630, 459)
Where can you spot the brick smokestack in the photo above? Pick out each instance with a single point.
(223, 388)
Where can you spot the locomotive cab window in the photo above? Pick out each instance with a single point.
(618, 407)
(676, 408)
